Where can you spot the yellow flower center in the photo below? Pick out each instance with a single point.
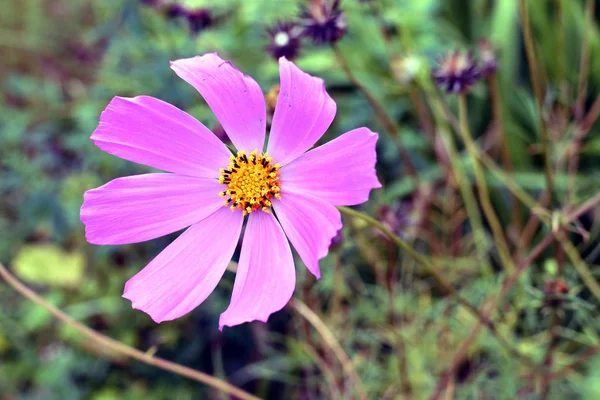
(252, 181)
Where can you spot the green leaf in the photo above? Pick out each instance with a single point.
(49, 265)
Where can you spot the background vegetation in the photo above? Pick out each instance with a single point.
(398, 320)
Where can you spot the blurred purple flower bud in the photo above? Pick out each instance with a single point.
(487, 56)
(284, 40)
(323, 21)
(199, 19)
(456, 72)
(175, 10)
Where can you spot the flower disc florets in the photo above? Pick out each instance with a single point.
(252, 181)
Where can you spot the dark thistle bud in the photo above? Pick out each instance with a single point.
(174, 10)
(555, 290)
(199, 19)
(456, 72)
(284, 40)
(323, 21)
(487, 56)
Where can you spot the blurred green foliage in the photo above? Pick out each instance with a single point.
(63, 60)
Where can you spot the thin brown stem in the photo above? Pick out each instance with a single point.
(380, 113)
(573, 152)
(584, 66)
(439, 277)
(331, 342)
(586, 355)
(121, 348)
(496, 98)
(539, 96)
(507, 285)
(484, 195)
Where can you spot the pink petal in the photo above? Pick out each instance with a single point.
(265, 278)
(149, 131)
(310, 224)
(303, 113)
(142, 207)
(235, 98)
(341, 172)
(188, 270)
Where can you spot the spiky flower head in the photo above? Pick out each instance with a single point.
(198, 19)
(174, 10)
(284, 40)
(456, 72)
(487, 56)
(323, 21)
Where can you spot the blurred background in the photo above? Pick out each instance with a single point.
(61, 61)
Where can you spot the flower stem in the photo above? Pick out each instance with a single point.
(484, 195)
(507, 285)
(579, 264)
(539, 96)
(424, 261)
(331, 342)
(483, 319)
(461, 180)
(121, 348)
(584, 66)
(380, 113)
(496, 98)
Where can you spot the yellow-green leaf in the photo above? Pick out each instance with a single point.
(49, 265)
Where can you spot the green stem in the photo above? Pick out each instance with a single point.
(539, 96)
(433, 270)
(496, 97)
(484, 195)
(462, 181)
(579, 264)
(331, 342)
(380, 113)
(560, 51)
(584, 65)
(507, 285)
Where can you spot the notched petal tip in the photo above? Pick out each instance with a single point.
(134, 306)
(241, 321)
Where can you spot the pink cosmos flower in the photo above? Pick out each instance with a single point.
(286, 191)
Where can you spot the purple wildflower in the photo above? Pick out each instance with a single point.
(323, 21)
(210, 190)
(284, 40)
(456, 72)
(199, 19)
